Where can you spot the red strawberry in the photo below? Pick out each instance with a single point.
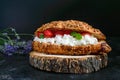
(48, 33)
(67, 32)
(39, 33)
(85, 33)
(59, 32)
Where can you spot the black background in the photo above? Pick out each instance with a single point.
(27, 15)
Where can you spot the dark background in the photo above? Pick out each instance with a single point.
(27, 15)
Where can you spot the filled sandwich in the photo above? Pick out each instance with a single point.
(69, 46)
(70, 37)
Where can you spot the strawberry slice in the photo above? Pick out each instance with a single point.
(67, 32)
(48, 33)
(59, 32)
(40, 35)
(85, 33)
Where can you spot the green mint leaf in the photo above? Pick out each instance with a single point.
(41, 36)
(73, 34)
(76, 35)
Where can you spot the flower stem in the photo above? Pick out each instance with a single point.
(22, 34)
(11, 42)
(9, 39)
(3, 39)
(15, 33)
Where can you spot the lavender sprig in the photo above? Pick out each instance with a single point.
(11, 46)
(5, 34)
(17, 36)
(19, 47)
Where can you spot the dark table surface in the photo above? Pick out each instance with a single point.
(17, 67)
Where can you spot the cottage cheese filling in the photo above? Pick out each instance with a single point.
(68, 40)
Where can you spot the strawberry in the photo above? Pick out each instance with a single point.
(67, 32)
(85, 33)
(48, 33)
(40, 35)
(59, 32)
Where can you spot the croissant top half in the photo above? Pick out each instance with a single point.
(73, 25)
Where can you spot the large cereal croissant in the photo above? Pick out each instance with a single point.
(77, 26)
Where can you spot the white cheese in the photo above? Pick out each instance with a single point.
(68, 40)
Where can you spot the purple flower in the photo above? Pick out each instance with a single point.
(13, 44)
(28, 47)
(9, 50)
(19, 47)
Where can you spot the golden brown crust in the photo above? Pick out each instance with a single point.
(100, 47)
(72, 25)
